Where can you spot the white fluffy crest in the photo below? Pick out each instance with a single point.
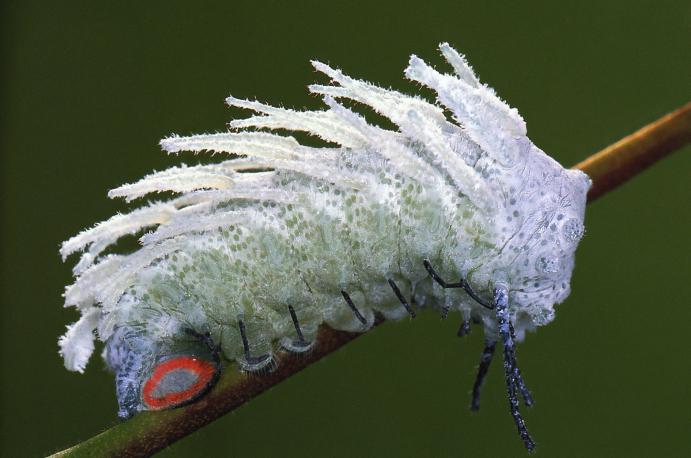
(177, 179)
(489, 121)
(77, 345)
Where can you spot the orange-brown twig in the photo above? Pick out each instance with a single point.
(634, 153)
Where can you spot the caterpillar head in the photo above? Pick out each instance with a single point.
(544, 255)
(157, 374)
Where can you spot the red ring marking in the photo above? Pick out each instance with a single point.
(204, 371)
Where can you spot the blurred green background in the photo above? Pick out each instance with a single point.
(88, 88)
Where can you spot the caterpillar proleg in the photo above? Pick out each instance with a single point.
(455, 209)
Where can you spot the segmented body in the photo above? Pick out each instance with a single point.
(291, 225)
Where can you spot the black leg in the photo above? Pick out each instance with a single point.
(435, 276)
(445, 312)
(485, 360)
(253, 363)
(525, 392)
(294, 317)
(461, 284)
(208, 341)
(357, 313)
(464, 330)
(501, 302)
(245, 344)
(299, 345)
(401, 298)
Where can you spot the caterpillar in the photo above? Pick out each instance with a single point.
(453, 209)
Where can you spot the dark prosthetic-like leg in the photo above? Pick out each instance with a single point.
(355, 310)
(525, 392)
(257, 364)
(501, 303)
(461, 284)
(206, 339)
(464, 329)
(483, 367)
(401, 298)
(485, 361)
(300, 344)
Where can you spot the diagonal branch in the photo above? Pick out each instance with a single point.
(634, 153)
(150, 432)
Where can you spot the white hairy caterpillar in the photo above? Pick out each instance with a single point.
(257, 251)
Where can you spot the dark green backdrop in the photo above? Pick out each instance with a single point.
(88, 89)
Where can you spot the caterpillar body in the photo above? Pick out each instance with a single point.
(258, 250)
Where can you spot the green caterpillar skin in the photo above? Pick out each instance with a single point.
(284, 224)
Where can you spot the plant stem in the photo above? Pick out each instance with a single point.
(150, 432)
(634, 153)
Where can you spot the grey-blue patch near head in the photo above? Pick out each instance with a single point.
(175, 381)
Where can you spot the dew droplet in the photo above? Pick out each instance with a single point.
(548, 264)
(572, 230)
(543, 316)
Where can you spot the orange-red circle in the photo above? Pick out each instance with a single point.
(204, 371)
